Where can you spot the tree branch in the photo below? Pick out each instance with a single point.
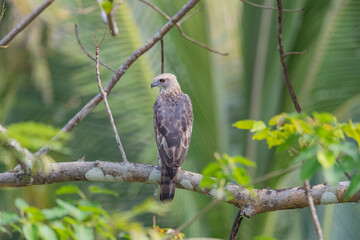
(178, 25)
(24, 23)
(25, 158)
(121, 71)
(252, 203)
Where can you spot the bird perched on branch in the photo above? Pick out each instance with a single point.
(173, 122)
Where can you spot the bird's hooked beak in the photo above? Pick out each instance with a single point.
(154, 84)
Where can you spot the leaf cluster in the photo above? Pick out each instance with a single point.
(226, 169)
(317, 141)
(81, 219)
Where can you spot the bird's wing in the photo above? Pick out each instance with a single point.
(173, 126)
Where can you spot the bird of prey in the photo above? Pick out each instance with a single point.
(173, 122)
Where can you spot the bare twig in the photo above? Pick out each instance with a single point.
(313, 210)
(118, 5)
(282, 59)
(190, 15)
(295, 53)
(24, 23)
(178, 25)
(87, 53)
(235, 228)
(270, 8)
(162, 55)
(103, 93)
(298, 109)
(3, 9)
(121, 71)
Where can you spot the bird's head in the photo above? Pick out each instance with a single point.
(166, 81)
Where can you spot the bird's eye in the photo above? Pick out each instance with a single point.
(162, 80)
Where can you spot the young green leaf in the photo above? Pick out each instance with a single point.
(244, 124)
(98, 190)
(68, 189)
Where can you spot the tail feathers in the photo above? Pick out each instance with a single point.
(167, 186)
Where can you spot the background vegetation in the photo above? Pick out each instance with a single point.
(45, 77)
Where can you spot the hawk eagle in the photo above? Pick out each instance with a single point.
(173, 122)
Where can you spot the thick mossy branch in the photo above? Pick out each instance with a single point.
(252, 203)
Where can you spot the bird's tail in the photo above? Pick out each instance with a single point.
(167, 186)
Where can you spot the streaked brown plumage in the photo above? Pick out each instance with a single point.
(173, 121)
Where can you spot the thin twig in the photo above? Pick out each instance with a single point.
(313, 210)
(178, 25)
(3, 9)
(162, 55)
(282, 59)
(298, 109)
(271, 8)
(275, 174)
(103, 93)
(24, 23)
(87, 53)
(295, 53)
(190, 15)
(235, 228)
(118, 5)
(121, 71)
(191, 221)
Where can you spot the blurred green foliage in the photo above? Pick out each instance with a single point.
(80, 219)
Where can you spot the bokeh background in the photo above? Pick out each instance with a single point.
(45, 77)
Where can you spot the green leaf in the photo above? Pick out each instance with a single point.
(8, 217)
(334, 174)
(324, 117)
(107, 6)
(241, 176)
(82, 232)
(33, 135)
(244, 124)
(278, 119)
(21, 204)
(68, 189)
(258, 126)
(46, 233)
(211, 169)
(207, 182)
(306, 154)
(353, 188)
(98, 190)
(73, 210)
(326, 158)
(309, 168)
(263, 238)
(30, 231)
(263, 134)
(54, 213)
(245, 161)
